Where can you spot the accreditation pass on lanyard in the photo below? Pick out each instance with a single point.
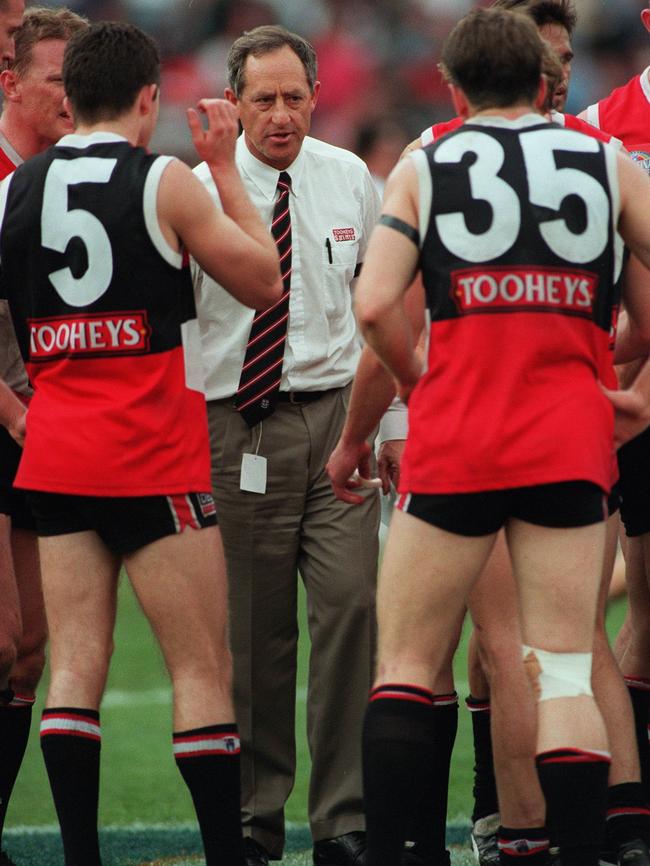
(253, 471)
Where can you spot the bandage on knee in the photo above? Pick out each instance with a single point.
(558, 675)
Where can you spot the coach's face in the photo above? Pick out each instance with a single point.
(11, 17)
(275, 106)
(40, 92)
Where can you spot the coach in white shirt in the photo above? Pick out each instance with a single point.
(275, 505)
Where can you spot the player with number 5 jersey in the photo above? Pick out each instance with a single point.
(95, 239)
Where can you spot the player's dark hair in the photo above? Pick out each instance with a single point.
(39, 23)
(105, 67)
(495, 58)
(264, 40)
(560, 12)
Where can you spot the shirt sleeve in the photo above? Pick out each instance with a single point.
(394, 423)
(371, 209)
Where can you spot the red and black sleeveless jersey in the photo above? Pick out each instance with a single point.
(105, 318)
(518, 258)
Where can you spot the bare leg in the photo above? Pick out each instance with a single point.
(494, 608)
(635, 662)
(426, 576)
(425, 579)
(79, 587)
(29, 665)
(558, 574)
(10, 620)
(608, 685)
(180, 582)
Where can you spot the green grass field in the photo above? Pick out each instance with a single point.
(145, 810)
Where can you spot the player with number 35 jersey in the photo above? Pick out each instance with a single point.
(537, 203)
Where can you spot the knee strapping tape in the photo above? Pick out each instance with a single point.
(559, 675)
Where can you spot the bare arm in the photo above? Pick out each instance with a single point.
(388, 271)
(234, 247)
(631, 342)
(634, 228)
(416, 144)
(12, 413)
(372, 392)
(632, 406)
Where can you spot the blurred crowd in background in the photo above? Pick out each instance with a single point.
(377, 60)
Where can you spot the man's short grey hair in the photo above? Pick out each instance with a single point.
(264, 40)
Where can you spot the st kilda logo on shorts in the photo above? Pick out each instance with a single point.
(512, 289)
(115, 333)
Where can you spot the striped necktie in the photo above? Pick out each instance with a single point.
(259, 383)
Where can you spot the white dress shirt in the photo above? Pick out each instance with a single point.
(332, 199)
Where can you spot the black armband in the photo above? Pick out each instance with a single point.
(400, 226)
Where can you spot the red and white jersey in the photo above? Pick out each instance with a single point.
(105, 319)
(519, 261)
(570, 121)
(626, 114)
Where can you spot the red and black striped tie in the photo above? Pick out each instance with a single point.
(259, 383)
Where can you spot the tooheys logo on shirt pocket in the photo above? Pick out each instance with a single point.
(106, 334)
(347, 234)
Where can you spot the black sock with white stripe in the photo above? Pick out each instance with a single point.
(485, 787)
(398, 753)
(71, 743)
(428, 825)
(526, 846)
(15, 720)
(574, 782)
(208, 760)
(628, 815)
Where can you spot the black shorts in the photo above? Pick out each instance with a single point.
(124, 523)
(563, 505)
(634, 484)
(12, 501)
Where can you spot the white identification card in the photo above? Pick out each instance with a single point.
(253, 473)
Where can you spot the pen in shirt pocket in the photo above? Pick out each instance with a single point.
(328, 247)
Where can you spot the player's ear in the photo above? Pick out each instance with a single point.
(542, 93)
(645, 18)
(229, 94)
(8, 83)
(314, 94)
(460, 101)
(147, 98)
(67, 107)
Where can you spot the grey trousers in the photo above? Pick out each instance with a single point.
(296, 526)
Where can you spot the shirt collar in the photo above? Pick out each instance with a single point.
(264, 176)
(8, 149)
(100, 136)
(521, 122)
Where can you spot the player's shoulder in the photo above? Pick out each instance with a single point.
(579, 124)
(317, 151)
(432, 133)
(635, 85)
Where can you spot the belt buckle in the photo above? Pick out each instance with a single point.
(294, 397)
